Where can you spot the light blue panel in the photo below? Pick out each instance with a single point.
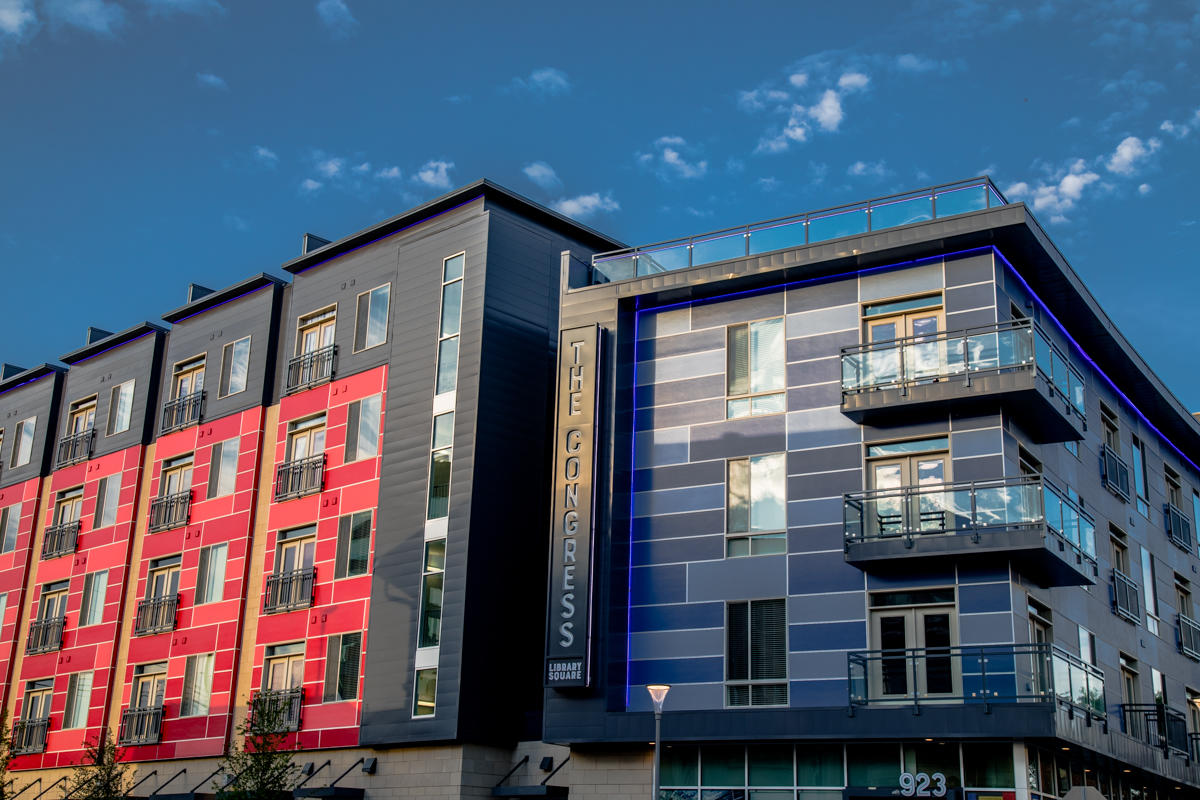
(822, 320)
(678, 617)
(683, 697)
(818, 694)
(983, 598)
(658, 448)
(680, 367)
(814, 573)
(674, 501)
(976, 443)
(826, 510)
(678, 644)
(738, 578)
(823, 607)
(831, 666)
(674, 671)
(659, 585)
(664, 323)
(900, 282)
(985, 628)
(820, 427)
(827, 636)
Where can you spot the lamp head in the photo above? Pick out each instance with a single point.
(658, 695)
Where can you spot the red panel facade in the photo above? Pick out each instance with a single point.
(14, 565)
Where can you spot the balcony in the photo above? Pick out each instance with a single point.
(1158, 726)
(170, 511)
(1125, 603)
(155, 615)
(936, 202)
(1189, 637)
(1010, 362)
(310, 369)
(280, 707)
(60, 539)
(45, 635)
(300, 477)
(74, 449)
(1114, 473)
(1179, 527)
(982, 675)
(29, 736)
(182, 411)
(140, 726)
(1020, 518)
(287, 591)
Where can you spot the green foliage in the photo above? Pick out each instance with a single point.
(100, 775)
(263, 768)
(6, 755)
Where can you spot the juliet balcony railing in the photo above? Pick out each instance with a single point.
(1188, 630)
(155, 615)
(1114, 473)
(986, 674)
(1125, 603)
(182, 411)
(45, 635)
(60, 539)
(935, 202)
(170, 511)
(29, 736)
(282, 705)
(1157, 725)
(287, 591)
(1179, 527)
(140, 726)
(310, 369)
(300, 477)
(75, 448)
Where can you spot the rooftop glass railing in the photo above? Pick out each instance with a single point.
(892, 211)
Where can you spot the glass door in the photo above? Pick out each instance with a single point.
(306, 439)
(897, 511)
(189, 378)
(316, 331)
(163, 581)
(916, 659)
(297, 554)
(53, 605)
(148, 686)
(68, 507)
(921, 357)
(177, 477)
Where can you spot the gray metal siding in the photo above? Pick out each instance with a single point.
(40, 399)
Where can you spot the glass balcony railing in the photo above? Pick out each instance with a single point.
(972, 508)
(935, 202)
(1002, 347)
(1006, 673)
(1157, 725)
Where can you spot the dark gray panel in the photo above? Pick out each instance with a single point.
(679, 344)
(824, 459)
(738, 309)
(968, 297)
(822, 295)
(39, 398)
(680, 391)
(820, 346)
(818, 396)
(969, 269)
(739, 437)
(679, 475)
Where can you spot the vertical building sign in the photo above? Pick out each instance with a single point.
(568, 632)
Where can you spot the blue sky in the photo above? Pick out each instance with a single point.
(149, 143)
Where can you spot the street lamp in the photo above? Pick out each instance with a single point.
(658, 696)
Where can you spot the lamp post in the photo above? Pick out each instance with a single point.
(658, 695)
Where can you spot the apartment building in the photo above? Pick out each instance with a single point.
(887, 501)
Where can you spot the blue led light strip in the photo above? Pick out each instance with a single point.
(26, 383)
(223, 302)
(115, 346)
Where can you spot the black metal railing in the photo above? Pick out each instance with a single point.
(1194, 746)
(1008, 673)
(182, 411)
(155, 615)
(1125, 601)
(1179, 527)
(60, 539)
(1156, 725)
(309, 369)
(1114, 473)
(75, 448)
(45, 635)
(29, 736)
(1189, 637)
(170, 511)
(282, 706)
(286, 591)
(140, 726)
(300, 477)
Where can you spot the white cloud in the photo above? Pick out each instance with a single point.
(199, 7)
(361, 169)
(828, 111)
(542, 174)
(458, 99)
(911, 62)
(389, 174)
(544, 82)
(337, 17)
(1144, 189)
(853, 81)
(585, 205)
(98, 16)
(1060, 194)
(1130, 153)
(235, 223)
(265, 155)
(16, 17)
(758, 99)
(798, 79)
(331, 167)
(768, 184)
(208, 80)
(670, 159)
(434, 174)
(868, 169)
(308, 185)
(1180, 130)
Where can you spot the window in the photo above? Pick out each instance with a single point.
(81, 416)
(452, 289)
(306, 438)
(1174, 487)
(756, 653)
(755, 371)
(120, 408)
(353, 545)
(53, 602)
(1149, 591)
(176, 476)
(79, 699)
(315, 330)
(1072, 447)
(210, 577)
(362, 428)
(1120, 552)
(296, 550)
(10, 526)
(149, 684)
(432, 583)
(235, 367)
(22, 446)
(1110, 429)
(342, 659)
(439, 466)
(1130, 692)
(283, 667)
(1087, 646)
(68, 505)
(756, 505)
(1158, 683)
(163, 578)
(197, 685)
(188, 377)
(425, 696)
(37, 699)
(1140, 482)
(95, 587)
(108, 496)
(222, 467)
(370, 324)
